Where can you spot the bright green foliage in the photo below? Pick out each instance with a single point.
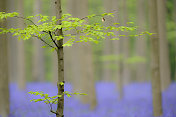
(50, 100)
(45, 97)
(4, 15)
(54, 99)
(75, 29)
(61, 83)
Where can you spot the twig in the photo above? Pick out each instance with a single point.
(97, 15)
(51, 110)
(44, 41)
(54, 112)
(53, 39)
(26, 19)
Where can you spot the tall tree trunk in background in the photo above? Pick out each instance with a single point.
(88, 82)
(107, 49)
(165, 72)
(125, 42)
(76, 54)
(155, 67)
(175, 35)
(72, 7)
(82, 63)
(4, 79)
(60, 57)
(117, 50)
(141, 42)
(12, 43)
(21, 57)
(38, 72)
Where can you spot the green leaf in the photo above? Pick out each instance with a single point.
(82, 94)
(61, 83)
(68, 95)
(46, 95)
(53, 49)
(114, 39)
(90, 16)
(59, 95)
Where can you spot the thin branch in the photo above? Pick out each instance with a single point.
(26, 19)
(49, 104)
(54, 112)
(87, 17)
(53, 101)
(53, 39)
(44, 41)
(51, 110)
(99, 15)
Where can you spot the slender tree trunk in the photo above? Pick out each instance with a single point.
(75, 51)
(141, 68)
(60, 56)
(88, 82)
(117, 50)
(4, 86)
(126, 73)
(82, 63)
(156, 85)
(12, 43)
(107, 50)
(164, 52)
(21, 56)
(38, 58)
(175, 35)
(4, 79)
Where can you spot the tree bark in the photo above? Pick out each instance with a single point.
(88, 82)
(73, 9)
(126, 73)
(107, 49)
(82, 63)
(38, 72)
(141, 42)
(155, 67)
(4, 79)
(12, 44)
(165, 72)
(116, 44)
(21, 57)
(175, 39)
(60, 56)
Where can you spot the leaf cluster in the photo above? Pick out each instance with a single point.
(52, 99)
(74, 29)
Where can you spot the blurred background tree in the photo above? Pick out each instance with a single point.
(4, 72)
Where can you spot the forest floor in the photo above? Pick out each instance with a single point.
(137, 101)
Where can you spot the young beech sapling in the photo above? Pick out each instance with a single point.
(76, 30)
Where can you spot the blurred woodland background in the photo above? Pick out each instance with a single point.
(108, 60)
(121, 61)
